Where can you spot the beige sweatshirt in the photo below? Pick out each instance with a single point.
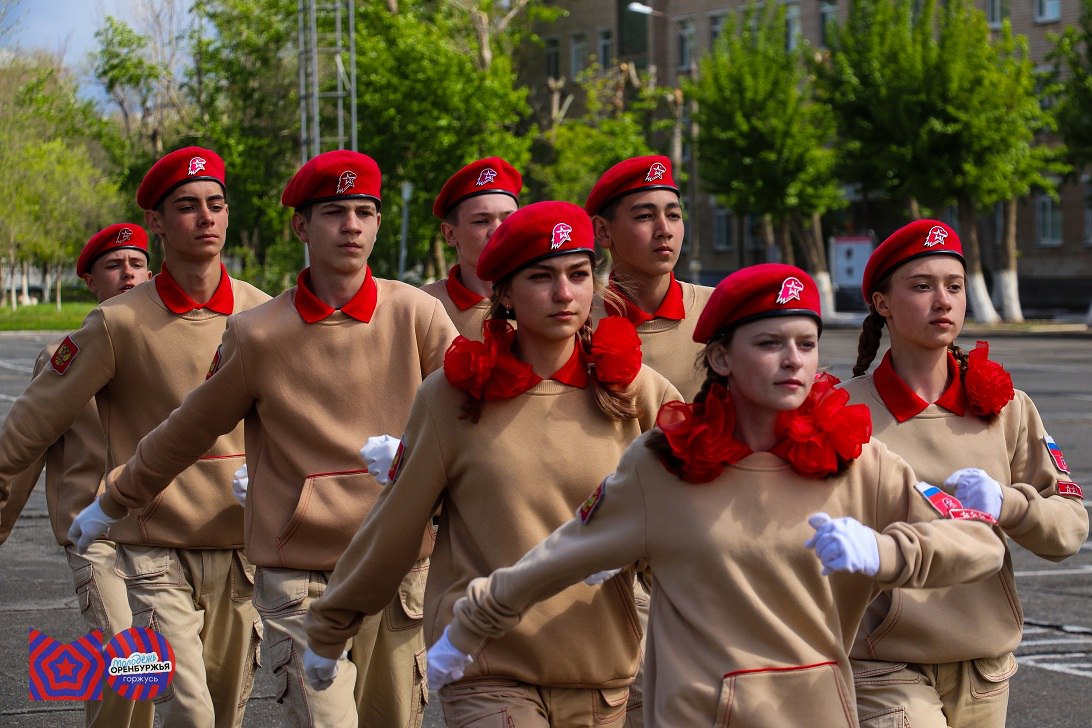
(668, 346)
(74, 466)
(744, 630)
(138, 361)
(983, 619)
(311, 394)
(467, 315)
(503, 484)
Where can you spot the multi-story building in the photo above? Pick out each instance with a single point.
(667, 37)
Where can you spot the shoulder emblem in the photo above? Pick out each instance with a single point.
(396, 463)
(591, 505)
(943, 503)
(1068, 487)
(970, 514)
(215, 366)
(1056, 455)
(64, 355)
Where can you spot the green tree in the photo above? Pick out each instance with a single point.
(766, 142)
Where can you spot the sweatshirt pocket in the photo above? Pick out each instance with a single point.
(330, 508)
(411, 598)
(802, 695)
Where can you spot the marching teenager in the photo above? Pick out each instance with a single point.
(139, 355)
(505, 442)
(314, 372)
(943, 657)
(724, 499)
(471, 205)
(638, 218)
(112, 262)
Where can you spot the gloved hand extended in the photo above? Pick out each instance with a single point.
(976, 489)
(446, 662)
(844, 544)
(89, 525)
(378, 453)
(320, 671)
(239, 482)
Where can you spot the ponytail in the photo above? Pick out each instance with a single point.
(961, 357)
(869, 341)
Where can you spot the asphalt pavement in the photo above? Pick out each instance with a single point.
(1053, 688)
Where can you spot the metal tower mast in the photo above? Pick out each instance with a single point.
(327, 51)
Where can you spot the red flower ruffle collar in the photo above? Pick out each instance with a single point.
(313, 309)
(461, 296)
(672, 307)
(179, 302)
(487, 369)
(985, 391)
(818, 439)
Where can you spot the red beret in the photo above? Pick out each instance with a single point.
(635, 174)
(535, 232)
(336, 175)
(122, 236)
(756, 292)
(918, 239)
(478, 178)
(189, 164)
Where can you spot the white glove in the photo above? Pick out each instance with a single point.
(844, 544)
(975, 489)
(239, 482)
(89, 525)
(378, 453)
(320, 671)
(446, 662)
(600, 576)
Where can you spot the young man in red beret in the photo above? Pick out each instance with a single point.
(139, 355)
(638, 218)
(113, 261)
(314, 373)
(472, 205)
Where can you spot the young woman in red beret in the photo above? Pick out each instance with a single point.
(506, 442)
(723, 500)
(943, 657)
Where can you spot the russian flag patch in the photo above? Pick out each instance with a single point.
(1055, 453)
(943, 503)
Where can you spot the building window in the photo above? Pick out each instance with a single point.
(606, 48)
(723, 222)
(716, 27)
(1048, 221)
(996, 12)
(579, 60)
(1047, 10)
(792, 26)
(828, 16)
(686, 44)
(553, 58)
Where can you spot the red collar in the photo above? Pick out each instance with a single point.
(311, 309)
(671, 307)
(575, 371)
(178, 301)
(904, 403)
(462, 296)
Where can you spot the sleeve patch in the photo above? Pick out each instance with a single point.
(1068, 487)
(64, 356)
(396, 463)
(970, 514)
(1055, 453)
(943, 503)
(589, 506)
(215, 366)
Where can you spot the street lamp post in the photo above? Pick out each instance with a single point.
(694, 218)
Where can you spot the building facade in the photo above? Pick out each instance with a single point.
(668, 37)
